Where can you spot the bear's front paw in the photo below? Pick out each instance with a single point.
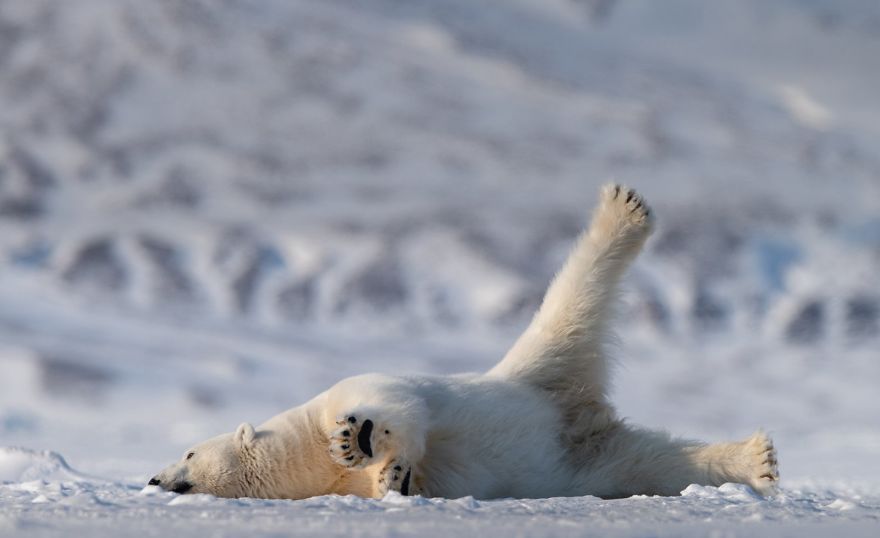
(351, 443)
(396, 476)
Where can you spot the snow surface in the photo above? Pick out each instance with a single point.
(210, 211)
(97, 508)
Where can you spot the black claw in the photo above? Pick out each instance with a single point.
(363, 438)
(616, 191)
(630, 195)
(404, 487)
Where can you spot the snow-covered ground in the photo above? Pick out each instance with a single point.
(212, 210)
(64, 503)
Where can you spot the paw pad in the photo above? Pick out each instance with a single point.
(350, 443)
(396, 476)
(627, 203)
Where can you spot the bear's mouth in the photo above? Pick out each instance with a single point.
(183, 487)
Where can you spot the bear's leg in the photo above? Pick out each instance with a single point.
(562, 350)
(645, 462)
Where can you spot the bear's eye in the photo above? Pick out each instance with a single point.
(190, 455)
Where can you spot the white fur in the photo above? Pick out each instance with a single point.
(538, 424)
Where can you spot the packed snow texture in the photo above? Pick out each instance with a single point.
(212, 210)
(96, 508)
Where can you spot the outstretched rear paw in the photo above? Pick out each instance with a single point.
(764, 466)
(622, 222)
(625, 205)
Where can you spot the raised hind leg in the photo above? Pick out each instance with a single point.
(562, 349)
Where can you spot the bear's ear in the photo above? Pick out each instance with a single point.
(244, 435)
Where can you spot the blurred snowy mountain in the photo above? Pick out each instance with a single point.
(211, 194)
(311, 161)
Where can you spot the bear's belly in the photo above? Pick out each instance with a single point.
(493, 439)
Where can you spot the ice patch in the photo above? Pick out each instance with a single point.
(842, 505)
(696, 490)
(728, 491)
(393, 497)
(739, 492)
(152, 491)
(194, 499)
(22, 465)
(468, 502)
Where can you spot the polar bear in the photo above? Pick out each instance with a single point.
(538, 424)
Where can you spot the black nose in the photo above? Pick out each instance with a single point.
(153, 482)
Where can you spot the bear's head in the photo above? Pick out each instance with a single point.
(222, 466)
